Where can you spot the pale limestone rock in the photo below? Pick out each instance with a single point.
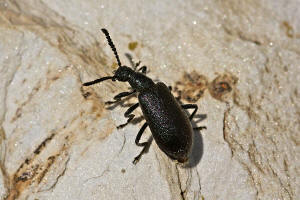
(238, 60)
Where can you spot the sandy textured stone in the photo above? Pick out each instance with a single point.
(238, 60)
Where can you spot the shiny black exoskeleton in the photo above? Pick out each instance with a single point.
(170, 126)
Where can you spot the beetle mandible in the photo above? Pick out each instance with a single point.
(169, 123)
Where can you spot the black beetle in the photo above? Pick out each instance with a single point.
(170, 126)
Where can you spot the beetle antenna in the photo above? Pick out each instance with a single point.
(111, 44)
(99, 80)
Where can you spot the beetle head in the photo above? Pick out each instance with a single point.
(123, 73)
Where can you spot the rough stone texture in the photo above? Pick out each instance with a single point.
(238, 60)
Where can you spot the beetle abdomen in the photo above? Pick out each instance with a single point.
(168, 122)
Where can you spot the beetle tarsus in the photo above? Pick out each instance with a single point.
(130, 117)
(144, 150)
(137, 158)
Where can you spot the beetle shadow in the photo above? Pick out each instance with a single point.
(121, 103)
(197, 150)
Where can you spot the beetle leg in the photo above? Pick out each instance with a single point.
(139, 135)
(189, 106)
(200, 128)
(143, 144)
(129, 115)
(136, 66)
(118, 97)
(143, 69)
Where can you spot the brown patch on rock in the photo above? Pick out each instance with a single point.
(289, 31)
(19, 110)
(43, 144)
(222, 86)
(191, 86)
(49, 162)
(132, 46)
(54, 78)
(33, 170)
(84, 93)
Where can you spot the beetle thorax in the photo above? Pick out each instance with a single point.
(138, 81)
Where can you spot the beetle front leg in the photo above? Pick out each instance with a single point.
(118, 97)
(129, 115)
(143, 144)
(143, 69)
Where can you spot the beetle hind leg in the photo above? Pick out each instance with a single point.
(195, 107)
(145, 145)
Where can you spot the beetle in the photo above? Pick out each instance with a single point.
(169, 123)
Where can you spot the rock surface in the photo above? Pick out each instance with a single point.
(238, 60)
